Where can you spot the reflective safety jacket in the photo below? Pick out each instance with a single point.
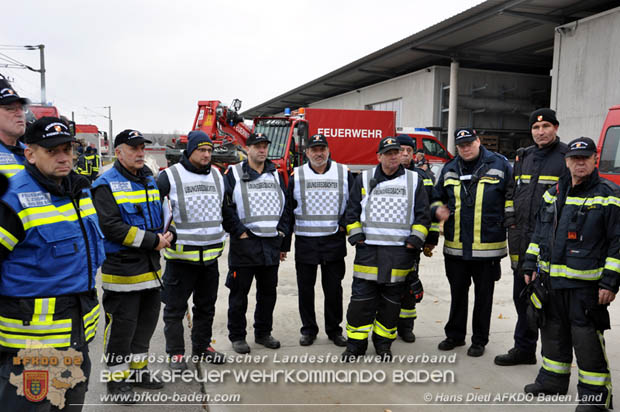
(475, 229)
(387, 213)
(12, 159)
(260, 202)
(196, 201)
(50, 249)
(577, 235)
(535, 171)
(83, 166)
(130, 215)
(320, 198)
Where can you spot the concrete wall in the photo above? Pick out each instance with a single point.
(586, 73)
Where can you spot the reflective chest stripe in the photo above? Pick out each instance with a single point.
(135, 196)
(321, 200)
(454, 246)
(479, 248)
(387, 209)
(196, 206)
(260, 202)
(43, 215)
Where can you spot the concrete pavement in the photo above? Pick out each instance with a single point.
(423, 379)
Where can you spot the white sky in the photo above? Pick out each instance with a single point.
(152, 61)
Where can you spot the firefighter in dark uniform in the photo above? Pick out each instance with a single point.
(50, 250)
(196, 193)
(470, 197)
(536, 169)
(318, 194)
(573, 263)
(387, 220)
(256, 220)
(82, 166)
(12, 127)
(408, 312)
(94, 162)
(130, 215)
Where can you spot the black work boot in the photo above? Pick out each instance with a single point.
(121, 391)
(516, 356)
(536, 389)
(407, 335)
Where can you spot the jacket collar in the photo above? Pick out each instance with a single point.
(141, 177)
(70, 186)
(187, 164)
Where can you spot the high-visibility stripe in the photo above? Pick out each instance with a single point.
(134, 237)
(479, 248)
(379, 329)
(7, 239)
(419, 231)
(427, 182)
(11, 170)
(567, 272)
(612, 264)
(533, 249)
(594, 378)
(137, 196)
(371, 273)
(437, 203)
(119, 372)
(604, 350)
(43, 215)
(591, 201)
(24, 341)
(561, 368)
(408, 313)
(192, 255)
(91, 320)
(142, 281)
(454, 246)
(434, 227)
(143, 277)
(354, 228)
(537, 303)
(547, 197)
(514, 261)
(548, 180)
(359, 332)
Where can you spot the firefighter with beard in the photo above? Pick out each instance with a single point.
(387, 220)
(408, 312)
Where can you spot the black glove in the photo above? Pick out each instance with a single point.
(417, 290)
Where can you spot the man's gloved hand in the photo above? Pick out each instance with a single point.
(416, 289)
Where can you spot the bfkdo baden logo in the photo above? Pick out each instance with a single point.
(36, 385)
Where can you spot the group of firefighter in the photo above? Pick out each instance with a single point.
(557, 217)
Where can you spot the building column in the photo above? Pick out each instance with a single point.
(453, 105)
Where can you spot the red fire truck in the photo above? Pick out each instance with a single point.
(609, 146)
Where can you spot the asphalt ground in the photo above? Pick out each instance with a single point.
(290, 379)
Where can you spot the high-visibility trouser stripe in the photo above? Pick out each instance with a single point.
(408, 313)
(371, 272)
(138, 361)
(561, 368)
(91, 320)
(119, 287)
(381, 330)
(119, 372)
(533, 249)
(134, 237)
(610, 264)
(11, 170)
(8, 325)
(536, 301)
(7, 239)
(594, 378)
(42, 215)
(354, 228)
(358, 333)
(566, 272)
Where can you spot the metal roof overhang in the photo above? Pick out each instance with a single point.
(513, 35)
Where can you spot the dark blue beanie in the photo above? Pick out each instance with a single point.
(195, 139)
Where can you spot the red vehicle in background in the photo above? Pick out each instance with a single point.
(353, 135)
(93, 137)
(36, 111)
(609, 146)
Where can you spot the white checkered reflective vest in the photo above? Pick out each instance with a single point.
(196, 201)
(387, 208)
(321, 199)
(260, 202)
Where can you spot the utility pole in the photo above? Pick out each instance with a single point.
(110, 135)
(42, 70)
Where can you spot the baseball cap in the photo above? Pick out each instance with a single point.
(8, 95)
(317, 140)
(130, 137)
(583, 146)
(544, 114)
(464, 135)
(388, 143)
(257, 138)
(48, 132)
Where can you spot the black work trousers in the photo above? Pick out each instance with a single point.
(332, 274)
(408, 312)
(11, 401)
(525, 336)
(182, 280)
(460, 274)
(239, 280)
(131, 318)
(373, 307)
(573, 319)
